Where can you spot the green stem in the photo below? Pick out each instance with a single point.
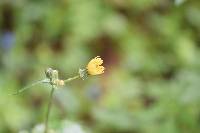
(48, 110)
(50, 102)
(31, 85)
(70, 79)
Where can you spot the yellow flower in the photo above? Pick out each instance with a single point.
(94, 66)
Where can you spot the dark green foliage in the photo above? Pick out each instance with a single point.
(151, 51)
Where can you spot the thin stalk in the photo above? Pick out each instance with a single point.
(31, 85)
(48, 110)
(70, 79)
(50, 102)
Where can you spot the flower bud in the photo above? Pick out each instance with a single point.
(61, 82)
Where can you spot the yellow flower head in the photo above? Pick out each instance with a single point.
(94, 66)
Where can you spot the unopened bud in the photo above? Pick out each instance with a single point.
(61, 82)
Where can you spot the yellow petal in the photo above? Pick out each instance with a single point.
(94, 66)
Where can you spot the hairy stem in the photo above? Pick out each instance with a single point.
(49, 109)
(70, 79)
(31, 85)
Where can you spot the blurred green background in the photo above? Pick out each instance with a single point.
(150, 48)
